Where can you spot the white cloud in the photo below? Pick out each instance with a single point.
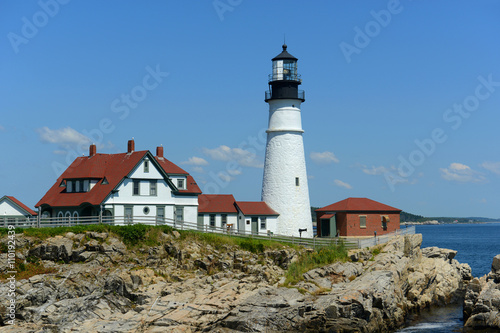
(69, 140)
(234, 172)
(342, 184)
(374, 171)
(325, 157)
(225, 177)
(198, 169)
(492, 166)
(64, 137)
(461, 173)
(241, 156)
(195, 161)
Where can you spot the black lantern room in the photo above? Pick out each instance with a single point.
(284, 81)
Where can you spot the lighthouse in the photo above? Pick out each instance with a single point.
(284, 185)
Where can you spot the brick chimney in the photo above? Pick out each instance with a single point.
(92, 150)
(159, 151)
(131, 146)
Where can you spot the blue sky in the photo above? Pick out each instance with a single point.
(402, 97)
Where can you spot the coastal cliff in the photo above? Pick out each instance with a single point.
(94, 283)
(482, 300)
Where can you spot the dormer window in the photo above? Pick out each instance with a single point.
(180, 184)
(63, 183)
(77, 186)
(69, 186)
(105, 181)
(146, 166)
(85, 184)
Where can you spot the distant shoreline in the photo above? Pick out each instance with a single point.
(439, 223)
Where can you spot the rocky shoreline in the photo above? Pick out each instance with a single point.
(482, 300)
(101, 286)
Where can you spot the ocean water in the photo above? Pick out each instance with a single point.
(476, 244)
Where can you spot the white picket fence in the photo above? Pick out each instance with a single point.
(314, 243)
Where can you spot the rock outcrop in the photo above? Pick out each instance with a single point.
(100, 286)
(482, 300)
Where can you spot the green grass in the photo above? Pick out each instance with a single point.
(220, 242)
(25, 271)
(138, 235)
(312, 260)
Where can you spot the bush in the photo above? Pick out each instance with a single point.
(132, 234)
(318, 258)
(252, 245)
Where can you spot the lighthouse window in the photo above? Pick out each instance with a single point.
(289, 70)
(296, 181)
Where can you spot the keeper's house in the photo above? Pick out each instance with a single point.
(354, 217)
(126, 186)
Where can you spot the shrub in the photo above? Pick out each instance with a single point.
(311, 260)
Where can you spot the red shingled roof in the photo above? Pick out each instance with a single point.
(255, 208)
(112, 166)
(357, 204)
(21, 205)
(216, 203)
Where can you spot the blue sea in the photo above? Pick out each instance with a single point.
(476, 244)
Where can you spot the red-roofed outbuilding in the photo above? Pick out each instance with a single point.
(222, 211)
(13, 210)
(357, 217)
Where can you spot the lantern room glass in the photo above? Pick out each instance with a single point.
(284, 69)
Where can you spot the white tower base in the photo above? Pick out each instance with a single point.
(284, 186)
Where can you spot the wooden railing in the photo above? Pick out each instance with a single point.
(314, 242)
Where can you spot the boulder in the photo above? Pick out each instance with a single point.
(435, 252)
(482, 300)
(55, 248)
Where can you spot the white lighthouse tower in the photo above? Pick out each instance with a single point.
(284, 187)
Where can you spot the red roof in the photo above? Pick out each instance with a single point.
(216, 203)
(191, 186)
(357, 205)
(327, 216)
(21, 205)
(255, 208)
(112, 166)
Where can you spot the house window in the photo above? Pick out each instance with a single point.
(296, 181)
(60, 216)
(75, 216)
(105, 181)
(146, 166)
(86, 185)
(136, 187)
(128, 215)
(362, 221)
(179, 213)
(385, 219)
(69, 186)
(152, 187)
(77, 186)
(223, 220)
(180, 183)
(212, 220)
(263, 223)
